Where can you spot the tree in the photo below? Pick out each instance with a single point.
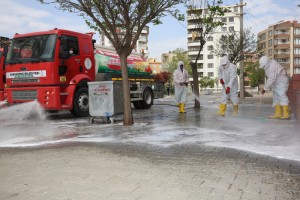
(122, 22)
(206, 82)
(230, 44)
(163, 77)
(205, 20)
(255, 74)
(178, 55)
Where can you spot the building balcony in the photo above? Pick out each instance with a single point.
(282, 46)
(282, 36)
(193, 52)
(282, 55)
(194, 44)
(297, 55)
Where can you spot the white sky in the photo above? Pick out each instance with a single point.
(21, 16)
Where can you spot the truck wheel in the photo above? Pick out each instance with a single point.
(81, 102)
(148, 98)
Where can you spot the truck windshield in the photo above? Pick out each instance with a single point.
(32, 49)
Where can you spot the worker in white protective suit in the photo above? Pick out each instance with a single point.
(181, 79)
(228, 78)
(278, 81)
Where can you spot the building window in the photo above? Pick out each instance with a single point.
(297, 41)
(270, 33)
(296, 50)
(210, 65)
(270, 52)
(210, 56)
(200, 74)
(231, 28)
(231, 19)
(200, 65)
(210, 47)
(270, 43)
(297, 31)
(262, 36)
(296, 61)
(224, 20)
(210, 74)
(235, 9)
(224, 29)
(210, 38)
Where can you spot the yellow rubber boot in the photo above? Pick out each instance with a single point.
(236, 109)
(222, 109)
(278, 113)
(179, 107)
(286, 113)
(182, 108)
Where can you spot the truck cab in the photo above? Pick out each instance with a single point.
(52, 67)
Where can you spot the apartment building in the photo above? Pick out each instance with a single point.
(281, 42)
(155, 65)
(208, 63)
(141, 45)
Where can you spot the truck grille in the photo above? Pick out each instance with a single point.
(27, 80)
(24, 94)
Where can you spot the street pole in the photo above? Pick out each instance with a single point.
(242, 88)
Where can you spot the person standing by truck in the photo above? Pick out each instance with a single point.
(181, 78)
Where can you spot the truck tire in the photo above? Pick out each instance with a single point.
(81, 102)
(148, 99)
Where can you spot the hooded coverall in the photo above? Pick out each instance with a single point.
(278, 81)
(181, 79)
(228, 72)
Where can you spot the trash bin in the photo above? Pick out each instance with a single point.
(105, 99)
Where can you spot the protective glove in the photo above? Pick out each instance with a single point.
(227, 90)
(263, 91)
(222, 81)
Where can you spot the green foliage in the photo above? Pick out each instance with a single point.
(179, 55)
(206, 82)
(255, 74)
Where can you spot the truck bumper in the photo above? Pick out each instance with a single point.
(48, 97)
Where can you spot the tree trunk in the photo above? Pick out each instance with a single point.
(196, 84)
(128, 119)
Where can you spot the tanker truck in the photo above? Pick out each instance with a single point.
(55, 66)
(4, 42)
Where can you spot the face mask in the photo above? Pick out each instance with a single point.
(70, 52)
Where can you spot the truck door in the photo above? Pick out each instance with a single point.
(73, 63)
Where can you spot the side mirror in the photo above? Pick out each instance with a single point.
(63, 51)
(64, 54)
(5, 51)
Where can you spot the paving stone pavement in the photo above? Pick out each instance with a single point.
(122, 171)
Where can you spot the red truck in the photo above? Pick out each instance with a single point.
(4, 42)
(54, 67)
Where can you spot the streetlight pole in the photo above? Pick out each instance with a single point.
(242, 88)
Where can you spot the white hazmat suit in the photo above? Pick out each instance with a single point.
(278, 81)
(228, 78)
(181, 79)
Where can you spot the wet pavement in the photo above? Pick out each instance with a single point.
(164, 155)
